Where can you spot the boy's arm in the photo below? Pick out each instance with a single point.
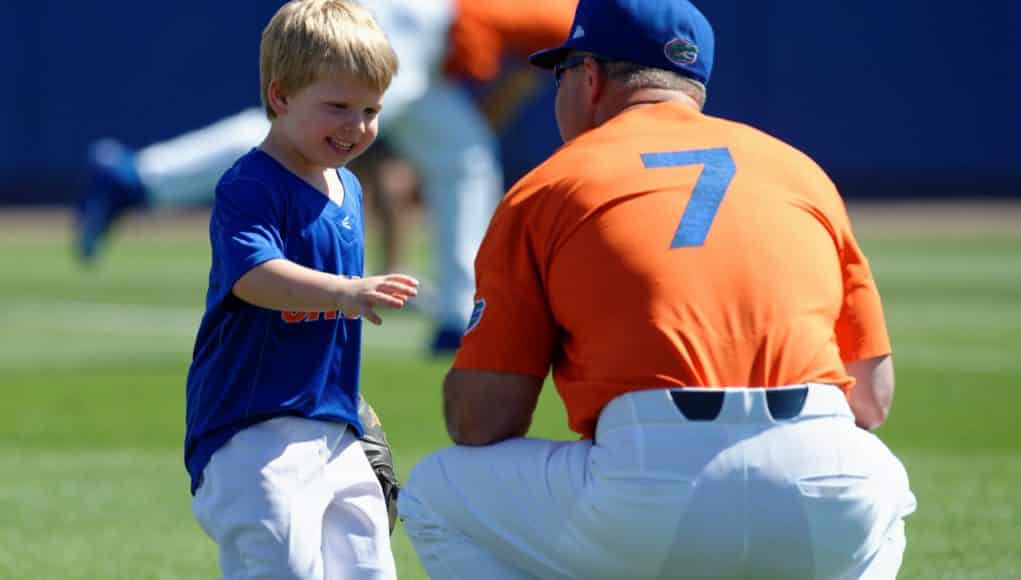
(280, 284)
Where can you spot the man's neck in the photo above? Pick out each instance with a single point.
(618, 101)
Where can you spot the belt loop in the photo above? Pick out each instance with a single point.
(786, 403)
(698, 405)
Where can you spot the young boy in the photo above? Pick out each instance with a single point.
(280, 481)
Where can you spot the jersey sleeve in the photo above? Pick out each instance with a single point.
(484, 33)
(244, 231)
(512, 328)
(861, 327)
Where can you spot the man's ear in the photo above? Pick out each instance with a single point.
(595, 81)
(276, 97)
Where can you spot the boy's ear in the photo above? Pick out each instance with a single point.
(277, 98)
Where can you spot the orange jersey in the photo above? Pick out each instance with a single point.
(671, 248)
(484, 31)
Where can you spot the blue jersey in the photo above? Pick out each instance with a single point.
(251, 364)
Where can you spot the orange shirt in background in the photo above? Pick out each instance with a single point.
(589, 268)
(484, 31)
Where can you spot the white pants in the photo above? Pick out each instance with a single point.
(294, 498)
(659, 496)
(450, 143)
(184, 170)
(428, 119)
(435, 124)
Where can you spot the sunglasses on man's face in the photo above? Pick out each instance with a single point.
(569, 63)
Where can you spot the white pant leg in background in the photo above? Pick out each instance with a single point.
(184, 170)
(451, 143)
(293, 498)
(658, 496)
(418, 32)
(435, 124)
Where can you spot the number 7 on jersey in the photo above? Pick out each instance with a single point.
(717, 172)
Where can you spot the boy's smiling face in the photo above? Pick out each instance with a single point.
(328, 123)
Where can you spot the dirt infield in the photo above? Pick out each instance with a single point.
(926, 217)
(58, 222)
(907, 218)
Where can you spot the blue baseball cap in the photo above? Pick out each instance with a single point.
(666, 34)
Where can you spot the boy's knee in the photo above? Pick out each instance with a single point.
(262, 554)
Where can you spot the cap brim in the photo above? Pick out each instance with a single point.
(549, 58)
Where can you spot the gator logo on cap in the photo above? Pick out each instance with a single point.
(681, 51)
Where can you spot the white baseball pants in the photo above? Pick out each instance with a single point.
(184, 170)
(293, 498)
(434, 123)
(656, 495)
(451, 144)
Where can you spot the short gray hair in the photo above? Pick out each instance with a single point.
(639, 76)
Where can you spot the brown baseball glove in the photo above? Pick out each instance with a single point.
(377, 449)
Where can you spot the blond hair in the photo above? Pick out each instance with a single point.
(307, 40)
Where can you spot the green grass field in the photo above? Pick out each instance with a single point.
(92, 367)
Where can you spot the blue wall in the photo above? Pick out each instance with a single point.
(903, 96)
(880, 84)
(140, 71)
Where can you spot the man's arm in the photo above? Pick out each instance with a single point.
(484, 407)
(872, 395)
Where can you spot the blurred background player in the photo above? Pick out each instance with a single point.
(449, 50)
(696, 289)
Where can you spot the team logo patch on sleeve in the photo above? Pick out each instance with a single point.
(476, 317)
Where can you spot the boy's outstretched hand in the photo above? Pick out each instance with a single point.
(361, 296)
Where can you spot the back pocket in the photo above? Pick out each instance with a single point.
(841, 513)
